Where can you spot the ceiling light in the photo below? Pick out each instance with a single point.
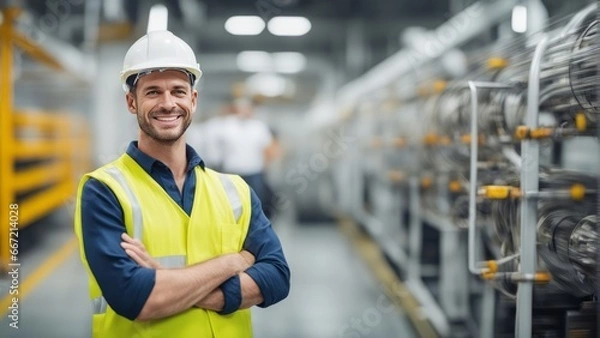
(289, 62)
(244, 25)
(519, 19)
(254, 61)
(267, 84)
(289, 25)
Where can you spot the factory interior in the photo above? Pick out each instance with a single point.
(431, 167)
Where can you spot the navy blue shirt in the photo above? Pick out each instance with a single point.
(126, 286)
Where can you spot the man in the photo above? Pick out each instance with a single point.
(172, 248)
(241, 144)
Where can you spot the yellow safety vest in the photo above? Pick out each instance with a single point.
(218, 225)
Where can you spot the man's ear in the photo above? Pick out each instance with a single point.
(131, 104)
(194, 100)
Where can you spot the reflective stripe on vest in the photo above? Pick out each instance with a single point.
(99, 304)
(232, 195)
(135, 205)
(171, 262)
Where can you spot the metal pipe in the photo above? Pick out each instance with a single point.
(578, 19)
(415, 235)
(552, 194)
(529, 184)
(473, 86)
(92, 13)
(430, 307)
(512, 156)
(488, 308)
(477, 18)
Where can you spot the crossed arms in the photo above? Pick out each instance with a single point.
(176, 290)
(137, 287)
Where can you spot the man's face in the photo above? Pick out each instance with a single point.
(164, 103)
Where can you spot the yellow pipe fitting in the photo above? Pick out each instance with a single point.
(399, 142)
(430, 139)
(466, 139)
(580, 121)
(496, 63)
(542, 278)
(541, 133)
(426, 182)
(491, 269)
(488, 275)
(492, 266)
(439, 86)
(496, 192)
(521, 133)
(515, 192)
(454, 186)
(396, 176)
(445, 140)
(577, 192)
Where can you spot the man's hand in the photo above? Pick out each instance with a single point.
(136, 250)
(248, 257)
(215, 300)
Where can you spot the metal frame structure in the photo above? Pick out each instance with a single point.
(442, 169)
(530, 186)
(61, 151)
(474, 266)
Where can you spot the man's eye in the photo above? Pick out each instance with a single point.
(151, 92)
(180, 92)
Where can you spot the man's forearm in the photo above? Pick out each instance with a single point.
(176, 290)
(215, 301)
(251, 294)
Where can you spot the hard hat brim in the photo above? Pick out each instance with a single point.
(152, 65)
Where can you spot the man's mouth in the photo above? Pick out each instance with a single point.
(169, 118)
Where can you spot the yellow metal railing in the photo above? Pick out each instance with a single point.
(42, 153)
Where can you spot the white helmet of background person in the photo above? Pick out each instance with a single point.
(158, 51)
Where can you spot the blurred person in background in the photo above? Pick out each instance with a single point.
(202, 136)
(172, 248)
(238, 143)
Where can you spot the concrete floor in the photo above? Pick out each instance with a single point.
(333, 293)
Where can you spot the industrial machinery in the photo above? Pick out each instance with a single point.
(481, 187)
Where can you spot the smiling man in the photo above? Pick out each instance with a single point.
(172, 248)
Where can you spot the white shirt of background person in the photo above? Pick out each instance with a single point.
(243, 142)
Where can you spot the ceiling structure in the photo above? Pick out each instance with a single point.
(347, 37)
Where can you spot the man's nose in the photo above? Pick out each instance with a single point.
(167, 101)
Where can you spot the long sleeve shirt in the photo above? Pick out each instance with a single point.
(126, 286)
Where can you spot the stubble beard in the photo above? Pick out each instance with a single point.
(166, 137)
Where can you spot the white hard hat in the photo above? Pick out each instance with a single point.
(159, 50)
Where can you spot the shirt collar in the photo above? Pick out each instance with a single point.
(148, 162)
